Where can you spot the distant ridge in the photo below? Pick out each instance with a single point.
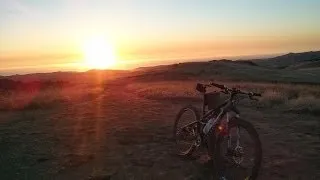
(289, 59)
(247, 62)
(302, 68)
(291, 67)
(305, 65)
(278, 62)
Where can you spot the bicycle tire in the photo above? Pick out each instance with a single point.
(234, 122)
(190, 150)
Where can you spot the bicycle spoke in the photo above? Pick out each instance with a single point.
(186, 130)
(237, 161)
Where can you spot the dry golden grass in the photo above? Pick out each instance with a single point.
(295, 98)
(47, 98)
(164, 90)
(305, 104)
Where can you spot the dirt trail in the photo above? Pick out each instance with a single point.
(119, 135)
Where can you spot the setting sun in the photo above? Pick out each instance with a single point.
(99, 53)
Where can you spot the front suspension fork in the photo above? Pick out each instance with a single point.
(229, 136)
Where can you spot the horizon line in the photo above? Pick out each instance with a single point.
(169, 62)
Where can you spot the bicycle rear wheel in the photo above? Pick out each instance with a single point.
(240, 157)
(186, 131)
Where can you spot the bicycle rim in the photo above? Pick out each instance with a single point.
(238, 158)
(186, 130)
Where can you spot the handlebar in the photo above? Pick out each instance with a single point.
(227, 90)
(218, 85)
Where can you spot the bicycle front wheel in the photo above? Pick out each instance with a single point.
(186, 131)
(238, 153)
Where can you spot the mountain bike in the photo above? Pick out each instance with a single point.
(228, 138)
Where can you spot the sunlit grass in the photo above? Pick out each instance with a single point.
(48, 98)
(293, 98)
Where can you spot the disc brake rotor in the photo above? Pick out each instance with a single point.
(238, 155)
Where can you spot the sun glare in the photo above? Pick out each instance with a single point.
(99, 54)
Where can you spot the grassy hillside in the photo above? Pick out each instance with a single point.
(229, 70)
(291, 98)
(305, 65)
(290, 59)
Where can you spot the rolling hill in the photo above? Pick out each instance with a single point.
(285, 68)
(305, 65)
(291, 59)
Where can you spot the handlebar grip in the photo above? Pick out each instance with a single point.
(218, 85)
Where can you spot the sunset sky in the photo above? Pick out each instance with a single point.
(51, 35)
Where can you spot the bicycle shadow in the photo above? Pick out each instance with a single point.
(202, 163)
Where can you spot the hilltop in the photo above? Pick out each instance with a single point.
(299, 68)
(290, 59)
